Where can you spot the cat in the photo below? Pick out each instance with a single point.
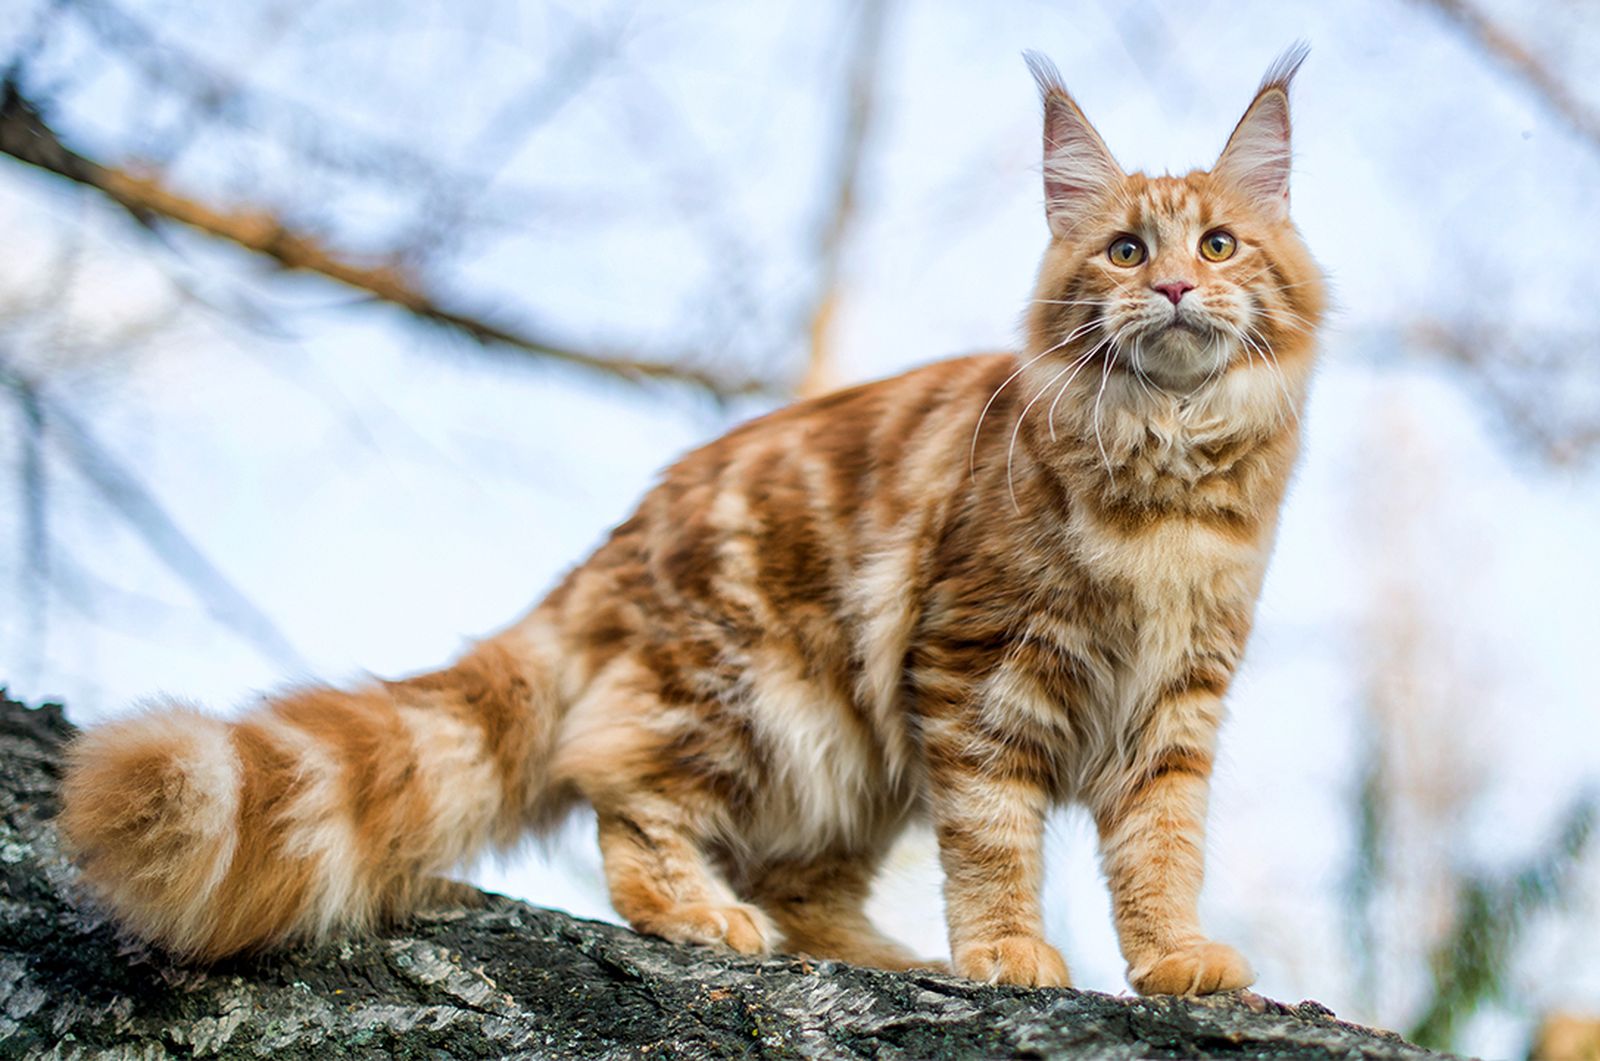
(965, 595)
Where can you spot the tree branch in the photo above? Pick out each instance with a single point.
(1528, 380)
(505, 979)
(140, 510)
(1512, 53)
(25, 136)
(865, 57)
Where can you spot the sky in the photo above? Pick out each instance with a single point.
(385, 494)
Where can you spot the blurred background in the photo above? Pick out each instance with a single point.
(332, 331)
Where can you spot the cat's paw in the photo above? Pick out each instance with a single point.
(1024, 960)
(441, 893)
(1202, 968)
(737, 926)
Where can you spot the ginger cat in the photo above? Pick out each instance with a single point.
(966, 594)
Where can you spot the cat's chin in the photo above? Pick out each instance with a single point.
(1181, 358)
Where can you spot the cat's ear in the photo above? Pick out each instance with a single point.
(1256, 160)
(1078, 168)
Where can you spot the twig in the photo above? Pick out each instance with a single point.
(1494, 360)
(25, 136)
(821, 372)
(143, 514)
(33, 487)
(1495, 40)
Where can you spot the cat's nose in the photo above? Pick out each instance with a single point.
(1173, 289)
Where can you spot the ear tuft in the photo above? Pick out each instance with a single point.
(1256, 158)
(1044, 72)
(1284, 67)
(1078, 167)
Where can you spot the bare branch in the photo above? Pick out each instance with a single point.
(507, 131)
(146, 517)
(210, 91)
(31, 482)
(1512, 53)
(1530, 382)
(25, 136)
(821, 372)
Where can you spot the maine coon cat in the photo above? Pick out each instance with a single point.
(965, 594)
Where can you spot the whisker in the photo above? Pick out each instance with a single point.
(1218, 369)
(1105, 376)
(972, 453)
(1080, 330)
(1283, 312)
(1283, 380)
(1139, 374)
(1270, 360)
(1062, 390)
(1072, 301)
(1250, 281)
(1219, 365)
(1015, 431)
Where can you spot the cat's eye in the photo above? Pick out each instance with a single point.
(1125, 251)
(1217, 246)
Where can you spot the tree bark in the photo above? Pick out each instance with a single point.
(511, 980)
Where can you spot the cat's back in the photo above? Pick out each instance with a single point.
(776, 531)
(860, 441)
(815, 483)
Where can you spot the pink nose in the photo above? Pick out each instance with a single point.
(1174, 290)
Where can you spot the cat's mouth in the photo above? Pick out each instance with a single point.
(1186, 319)
(1180, 333)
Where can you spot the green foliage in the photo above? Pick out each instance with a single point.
(1367, 870)
(1471, 965)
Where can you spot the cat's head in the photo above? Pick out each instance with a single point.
(1179, 280)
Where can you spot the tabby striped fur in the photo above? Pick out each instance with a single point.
(966, 594)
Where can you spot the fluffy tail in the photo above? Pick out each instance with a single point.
(320, 811)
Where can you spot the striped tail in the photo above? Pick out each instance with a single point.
(321, 811)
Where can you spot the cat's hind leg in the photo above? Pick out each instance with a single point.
(819, 906)
(661, 882)
(662, 776)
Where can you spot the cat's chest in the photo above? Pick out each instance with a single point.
(1166, 565)
(1191, 510)
(1176, 590)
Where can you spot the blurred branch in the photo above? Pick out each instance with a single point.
(25, 136)
(1368, 867)
(540, 99)
(507, 132)
(860, 102)
(1537, 386)
(129, 498)
(209, 93)
(1512, 53)
(1471, 966)
(34, 596)
(214, 92)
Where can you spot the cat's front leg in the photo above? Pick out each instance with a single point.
(1152, 848)
(989, 819)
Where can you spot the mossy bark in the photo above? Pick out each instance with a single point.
(511, 980)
